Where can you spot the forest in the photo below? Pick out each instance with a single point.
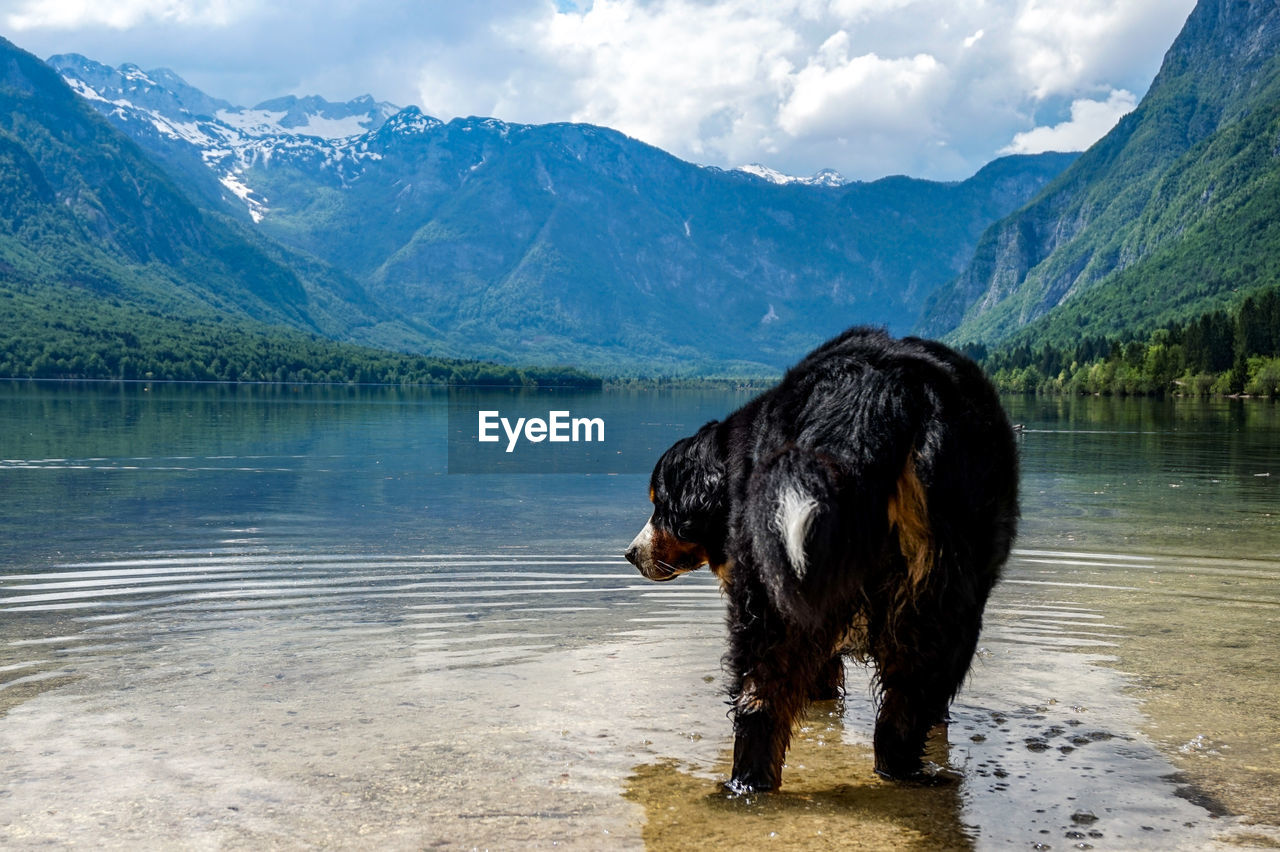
(1221, 353)
(71, 333)
(68, 334)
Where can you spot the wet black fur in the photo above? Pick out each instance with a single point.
(842, 426)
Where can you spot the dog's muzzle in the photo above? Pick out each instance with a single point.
(658, 559)
(640, 553)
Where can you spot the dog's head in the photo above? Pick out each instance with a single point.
(687, 529)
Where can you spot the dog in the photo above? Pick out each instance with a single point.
(863, 507)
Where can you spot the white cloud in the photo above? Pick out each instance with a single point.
(121, 14)
(1090, 121)
(854, 11)
(726, 82)
(687, 76)
(870, 87)
(1060, 47)
(840, 94)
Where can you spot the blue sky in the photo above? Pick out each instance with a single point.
(868, 87)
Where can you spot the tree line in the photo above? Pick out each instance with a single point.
(1218, 353)
(49, 338)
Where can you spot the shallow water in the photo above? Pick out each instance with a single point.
(264, 617)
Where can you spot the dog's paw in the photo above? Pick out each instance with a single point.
(738, 787)
(929, 775)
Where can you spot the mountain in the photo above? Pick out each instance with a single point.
(1174, 213)
(824, 177)
(86, 217)
(164, 94)
(203, 141)
(569, 243)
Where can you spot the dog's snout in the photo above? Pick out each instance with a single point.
(638, 552)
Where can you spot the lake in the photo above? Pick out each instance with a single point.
(269, 617)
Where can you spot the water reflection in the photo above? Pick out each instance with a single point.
(269, 617)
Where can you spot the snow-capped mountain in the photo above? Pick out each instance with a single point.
(165, 94)
(178, 122)
(561, 243)
(824, 177)
(161, 90)
(312, 116)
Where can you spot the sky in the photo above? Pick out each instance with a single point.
(928, 88)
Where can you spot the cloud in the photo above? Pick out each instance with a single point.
(1060, 47)
(871, 87)
(730, 82)
(837, 93)
(858, 11)
(1090, 121)
(121, 14)
(691, 77)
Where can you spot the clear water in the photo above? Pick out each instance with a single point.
(260, 617)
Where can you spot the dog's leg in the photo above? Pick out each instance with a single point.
(773, 676)
(759, 744)
(763, 717)
(919, 675)
(830, 683)
(909, 707)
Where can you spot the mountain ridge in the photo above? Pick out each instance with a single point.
(163, 91)
(573, 243)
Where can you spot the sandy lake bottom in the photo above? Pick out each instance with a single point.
(499, 709)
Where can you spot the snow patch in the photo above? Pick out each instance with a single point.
(264, 122)
(334, 128)
(84, 90)
(825, 177)
(257, 210)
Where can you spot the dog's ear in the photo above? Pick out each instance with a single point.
(700, 474)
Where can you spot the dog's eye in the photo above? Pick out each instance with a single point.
(685, 531)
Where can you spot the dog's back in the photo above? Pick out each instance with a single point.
(864, 505)
(870, 449)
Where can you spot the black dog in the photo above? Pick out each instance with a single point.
(864, 506)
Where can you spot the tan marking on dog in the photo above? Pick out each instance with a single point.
(749, 699)
(678, 555)
(855, 640)
(909, 514)
(724, 573)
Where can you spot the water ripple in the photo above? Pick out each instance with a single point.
(456, 609)
(460, 609)
(1250, 582)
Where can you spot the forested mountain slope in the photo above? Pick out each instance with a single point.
(1174, 213)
